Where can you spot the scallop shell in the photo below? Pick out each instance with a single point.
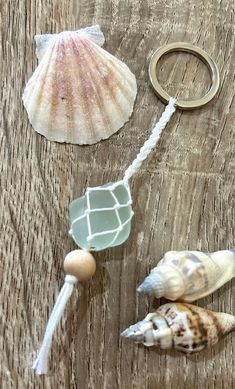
(185, 327)
(79, 93)
(189, 275)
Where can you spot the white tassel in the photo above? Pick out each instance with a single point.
(41, 363)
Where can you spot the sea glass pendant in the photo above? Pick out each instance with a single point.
(102, 217)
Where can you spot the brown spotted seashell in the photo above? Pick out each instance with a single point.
(185, 327)
(79, 93)
(189, 275)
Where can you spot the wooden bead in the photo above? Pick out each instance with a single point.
(81, 264)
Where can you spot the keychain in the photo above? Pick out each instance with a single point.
(101, 218)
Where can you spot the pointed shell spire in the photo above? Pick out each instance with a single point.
(166, 281)
(185, 327)
(189, 275)
(79, 93)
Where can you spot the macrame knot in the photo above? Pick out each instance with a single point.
(69, 279)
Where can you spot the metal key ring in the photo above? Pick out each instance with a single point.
(208, 61)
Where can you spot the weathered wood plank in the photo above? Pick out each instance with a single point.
(183, 197)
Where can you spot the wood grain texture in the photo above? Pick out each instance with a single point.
(183, 197)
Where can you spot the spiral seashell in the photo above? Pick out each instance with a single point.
(189, 275)
(185, 327)
(79, 93)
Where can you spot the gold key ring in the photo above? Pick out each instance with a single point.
(208, 61)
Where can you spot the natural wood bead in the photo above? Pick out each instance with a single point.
(81, 264)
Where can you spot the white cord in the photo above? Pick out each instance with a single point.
(41, 363)
(151, 141)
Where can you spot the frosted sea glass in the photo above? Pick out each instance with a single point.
(108, 208)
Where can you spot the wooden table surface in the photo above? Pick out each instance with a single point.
(183, 197)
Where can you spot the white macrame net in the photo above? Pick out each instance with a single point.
(116, 207)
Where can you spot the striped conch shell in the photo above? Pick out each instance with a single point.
(79, 93)
(185, 327)
(189, 275)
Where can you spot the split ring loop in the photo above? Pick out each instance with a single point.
(208, 61)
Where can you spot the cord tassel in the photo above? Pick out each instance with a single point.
(41, 363)
(79, 265)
